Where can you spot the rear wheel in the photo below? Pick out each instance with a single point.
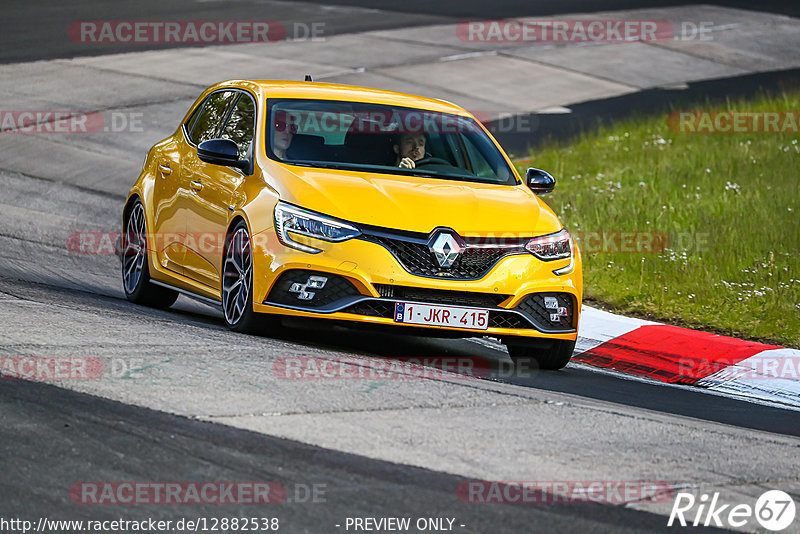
(135, 269)
(556, 356)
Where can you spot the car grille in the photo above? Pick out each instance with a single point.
(372, 308)
(441, 296)
(508, 320)
(411, 251)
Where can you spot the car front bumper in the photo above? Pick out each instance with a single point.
(512, 290)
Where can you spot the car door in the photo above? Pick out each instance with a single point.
(169, 214)
(213, 196)
(167, 235)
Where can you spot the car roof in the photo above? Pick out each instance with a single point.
(350, 93)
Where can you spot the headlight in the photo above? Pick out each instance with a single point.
(551, 247)
(293, 220)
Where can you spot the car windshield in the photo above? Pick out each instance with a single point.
(383, 138)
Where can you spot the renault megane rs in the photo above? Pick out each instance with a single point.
(276, 198)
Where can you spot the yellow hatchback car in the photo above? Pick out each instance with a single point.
(276, 198)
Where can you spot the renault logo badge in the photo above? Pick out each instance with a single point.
(446, 246)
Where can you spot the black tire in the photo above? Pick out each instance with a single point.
(241, 318)
(135, 268)
(553, 358)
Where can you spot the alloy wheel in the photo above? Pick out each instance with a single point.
(237, 276)
(134, 253)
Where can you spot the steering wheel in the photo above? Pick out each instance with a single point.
(432, 161)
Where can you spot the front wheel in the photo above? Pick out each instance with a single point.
(237, 284)
(550, 358)
(135, 269)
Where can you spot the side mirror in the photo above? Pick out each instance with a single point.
(539, 181)
(221, 152)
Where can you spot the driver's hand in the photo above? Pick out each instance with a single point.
(407, 163)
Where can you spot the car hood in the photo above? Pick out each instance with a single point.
(415, 203)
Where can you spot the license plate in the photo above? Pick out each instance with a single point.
(450, 316)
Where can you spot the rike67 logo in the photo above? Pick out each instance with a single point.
(774, 510)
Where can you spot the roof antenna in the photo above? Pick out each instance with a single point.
(308, 78)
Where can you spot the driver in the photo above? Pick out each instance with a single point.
(282, 132)
(410, 147)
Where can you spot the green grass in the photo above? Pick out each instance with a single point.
(729, 204)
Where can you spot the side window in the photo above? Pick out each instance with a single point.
(193, 116)
(240, 127)
(210, 118)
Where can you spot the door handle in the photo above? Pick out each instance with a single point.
(196, 185)
(165, 170)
